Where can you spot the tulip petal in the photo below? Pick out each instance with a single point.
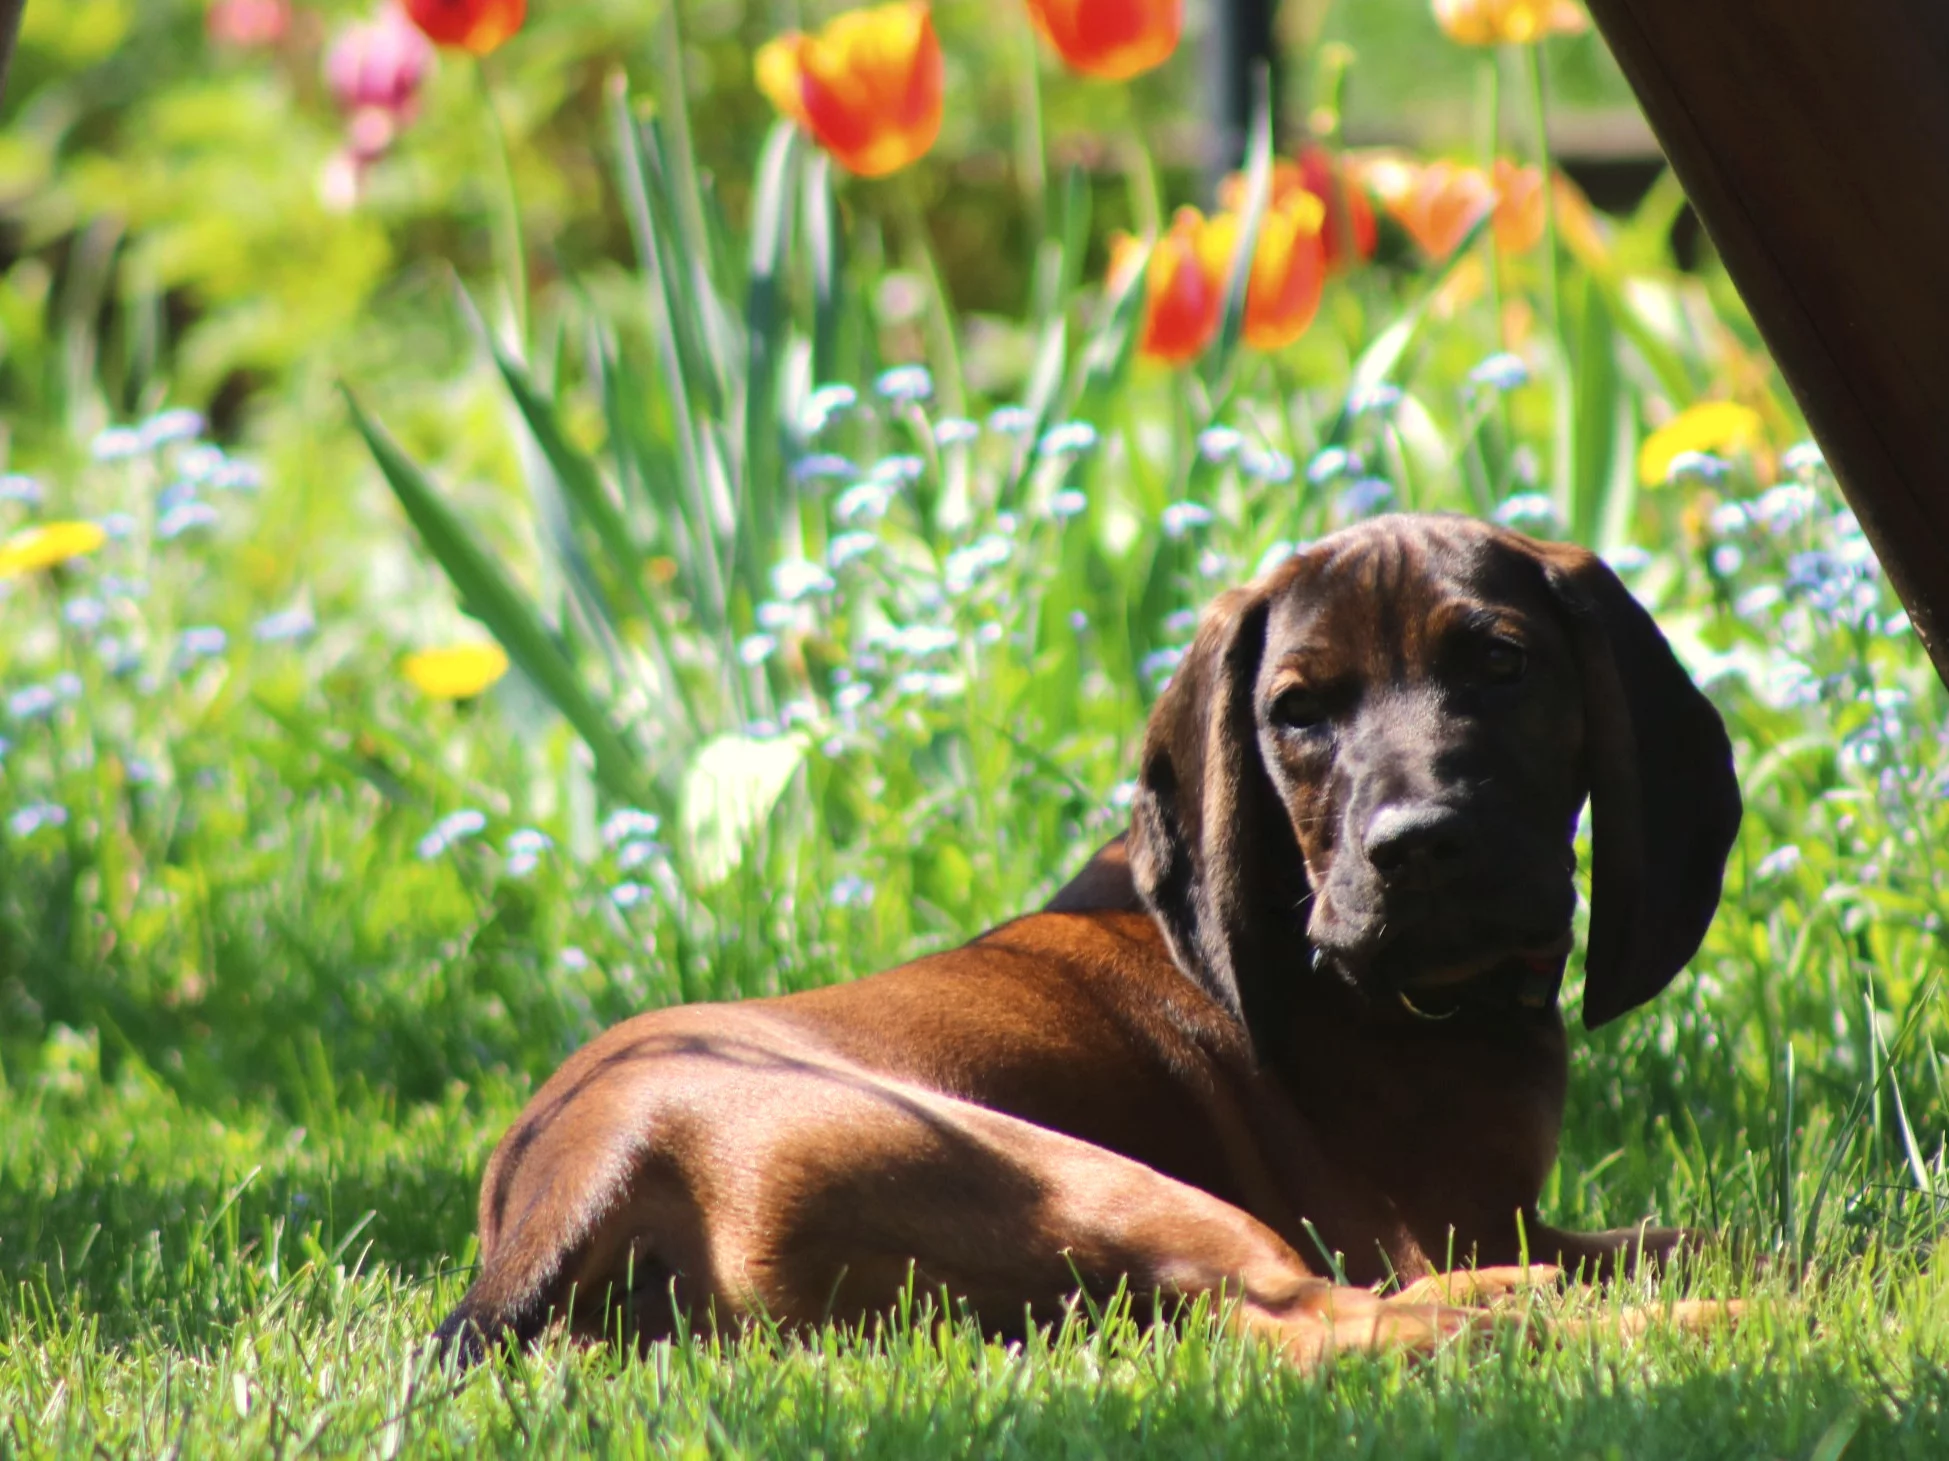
(1112, 40)
(779, 76)
(869, 87)
(1508, 22)
(479, 26)
(1288, 274)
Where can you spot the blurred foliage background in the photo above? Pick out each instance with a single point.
(154, 174)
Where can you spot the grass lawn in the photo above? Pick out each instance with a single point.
(187, 1282)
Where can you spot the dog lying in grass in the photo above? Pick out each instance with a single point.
(1305, 1006)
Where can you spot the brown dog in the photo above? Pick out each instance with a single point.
(1307, 1002)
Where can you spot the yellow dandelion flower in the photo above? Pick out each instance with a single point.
(455, 671)
(1715, 426)
(48, 545)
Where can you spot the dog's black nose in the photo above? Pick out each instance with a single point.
(1419, 845)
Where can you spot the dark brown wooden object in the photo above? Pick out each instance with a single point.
(1813, 138)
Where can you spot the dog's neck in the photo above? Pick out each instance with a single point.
(1104, 884)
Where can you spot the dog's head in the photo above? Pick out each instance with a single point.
(1370, 764)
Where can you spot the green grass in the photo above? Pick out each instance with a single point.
(238, 1284)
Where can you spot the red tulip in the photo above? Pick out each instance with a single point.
(868, 88)
(1282, 293)
(1110, 39)
(479, 26)
(1184, 284)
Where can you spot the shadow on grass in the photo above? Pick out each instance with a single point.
(149, 1216)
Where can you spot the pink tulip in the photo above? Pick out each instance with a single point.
(375, 70)
(247, 25)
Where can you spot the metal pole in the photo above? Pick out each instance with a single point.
(1240, 41)
(10, 11)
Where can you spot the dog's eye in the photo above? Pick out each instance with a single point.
(1299, 709)
(1504, 661)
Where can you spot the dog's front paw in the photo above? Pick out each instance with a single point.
(1480, 1287)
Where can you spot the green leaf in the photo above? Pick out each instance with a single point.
(1593, 420)
(581, 484)
(825, 256)
(491, 596)
(1106, 357)
(640, 182)
(1258, 187)
(759, 482)
(731, 788)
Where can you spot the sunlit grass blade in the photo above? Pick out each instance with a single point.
(1106, 355)
(1843, 1133)
(491, 596)
(1258, 186)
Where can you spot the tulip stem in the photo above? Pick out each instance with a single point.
(1489, 77)
(1540, 110)
(508, 240)
(940, 310)
(1031, 145)
(1491, 74)
(1146, 206)
(1564, 468)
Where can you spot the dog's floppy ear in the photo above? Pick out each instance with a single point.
(1664, 804)
(1211, 851)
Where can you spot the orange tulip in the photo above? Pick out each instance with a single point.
(1184, 285)
(1518, 222)
(1507, 22)
(867, 88)
(1110, 39)
(1348, 232)
(1437, 204)
(474, 25)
